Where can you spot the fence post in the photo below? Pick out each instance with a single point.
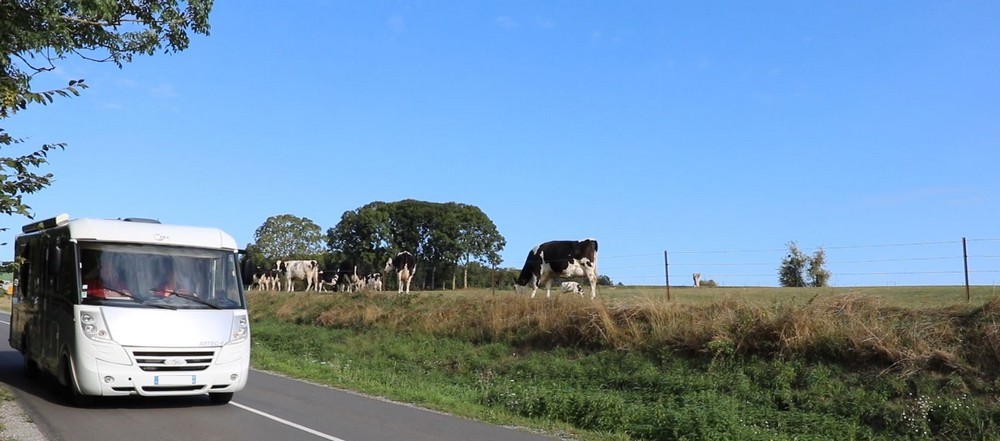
(965, 258)
(666, 271)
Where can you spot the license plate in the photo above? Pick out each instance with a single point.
(174, 380)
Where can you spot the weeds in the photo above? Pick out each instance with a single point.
(836, 367)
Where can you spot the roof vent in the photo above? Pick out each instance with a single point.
(141, 220)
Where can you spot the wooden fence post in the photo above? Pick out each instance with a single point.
(666, 271)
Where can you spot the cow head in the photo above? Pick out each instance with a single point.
(388, 265)
(521, 287)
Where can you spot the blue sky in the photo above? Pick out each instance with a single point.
(717, 132)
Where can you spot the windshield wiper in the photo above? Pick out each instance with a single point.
(190, 297)
(137, 299)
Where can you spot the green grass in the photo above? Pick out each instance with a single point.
(711, 364)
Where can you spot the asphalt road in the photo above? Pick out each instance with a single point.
(270, 408)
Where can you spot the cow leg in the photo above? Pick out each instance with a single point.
(592, 278)
(546, 279)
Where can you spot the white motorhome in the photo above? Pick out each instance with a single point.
(131, 307)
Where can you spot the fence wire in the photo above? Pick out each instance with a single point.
(893, 264)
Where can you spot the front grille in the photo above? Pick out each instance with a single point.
(180, 360)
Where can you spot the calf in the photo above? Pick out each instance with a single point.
(373, 281)
(572, 287)
(265, 280)
(258, 280)
(560, 258)
(328, 278)
(348, 280)
(307, 270)
(405, 266)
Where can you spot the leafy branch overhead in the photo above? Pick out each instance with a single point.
(36, 34)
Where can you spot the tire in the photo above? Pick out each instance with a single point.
(220, 398)
(31, 369)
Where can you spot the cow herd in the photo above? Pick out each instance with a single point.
(287, 272)
(561, 259)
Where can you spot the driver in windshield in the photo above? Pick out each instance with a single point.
(102, 280)
(166, 284)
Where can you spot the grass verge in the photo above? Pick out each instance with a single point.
(843, 367)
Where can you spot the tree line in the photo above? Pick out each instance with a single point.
(455, 244)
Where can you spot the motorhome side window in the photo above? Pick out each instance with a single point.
(24, 271)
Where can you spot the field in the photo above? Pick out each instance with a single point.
(712, 363)
(902, 296)
(880, 363)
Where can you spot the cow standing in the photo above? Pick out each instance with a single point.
(560, 258)
(405, 266)
(373, 281)
(307, 270)
(266, 280)
(348, 280)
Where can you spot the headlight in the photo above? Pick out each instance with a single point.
(93, 326)
(241, 329)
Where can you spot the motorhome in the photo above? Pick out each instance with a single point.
(118, 307)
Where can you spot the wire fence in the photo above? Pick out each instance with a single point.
(901, 264)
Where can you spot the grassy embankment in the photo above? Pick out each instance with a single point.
(713, 363)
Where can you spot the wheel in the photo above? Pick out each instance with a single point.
(30, 365)
(31, 368)
(220, 398)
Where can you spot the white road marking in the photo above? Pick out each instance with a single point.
(286, 422)
(274, 418)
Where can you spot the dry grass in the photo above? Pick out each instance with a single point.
(848, 326)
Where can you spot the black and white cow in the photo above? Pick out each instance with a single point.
(373, 281)
(559, 258)
(266, 280)
(307, 270)
(405, 266)
(348, 279)
(328, 278)
(572, 286)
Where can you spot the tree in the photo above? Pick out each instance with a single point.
(790, 274)
(362, 236)
(441, 235)
(819, 276)
(289, 237)
(798, 270)
(35, 34)
(478, 239)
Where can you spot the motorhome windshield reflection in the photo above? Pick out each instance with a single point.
(158, 276)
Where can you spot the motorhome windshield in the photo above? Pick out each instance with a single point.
(159, 276)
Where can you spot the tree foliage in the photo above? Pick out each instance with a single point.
(36, 34)
(819, 276)
(443, 236)
(287, 237)
(799, 270)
